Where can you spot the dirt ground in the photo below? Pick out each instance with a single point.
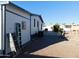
(64, 48)
(68, 48)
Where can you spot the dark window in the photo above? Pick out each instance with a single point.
(23, 25)
(41, 26)
(37, 24)
(68, 26)
(34, 22)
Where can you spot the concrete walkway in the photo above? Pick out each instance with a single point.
(53, 45)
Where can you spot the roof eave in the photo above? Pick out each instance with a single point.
(39, 16)
(19, 7)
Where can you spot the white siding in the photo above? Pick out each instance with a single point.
(40, 22)
(35, 29)
(11, 20)
(0, 28)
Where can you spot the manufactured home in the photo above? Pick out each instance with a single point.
(16, 27)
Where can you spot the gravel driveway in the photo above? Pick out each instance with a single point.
(53, 45)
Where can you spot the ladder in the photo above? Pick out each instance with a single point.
(14, 45)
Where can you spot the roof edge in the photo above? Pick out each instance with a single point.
(19, 7)
(39, 16)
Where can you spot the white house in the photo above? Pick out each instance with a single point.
(19, 23)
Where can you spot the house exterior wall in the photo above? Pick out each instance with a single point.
(12, 19)
(76, 28)
(0, 30)
(71, 28)
(35, 29)
(14, 15)
(40, 23)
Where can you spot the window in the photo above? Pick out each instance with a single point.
(23, 25)
(68, 26)
(41, 26)
(34, 22)
(37, 24)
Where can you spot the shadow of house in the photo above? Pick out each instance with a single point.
(47, 40)
(34, 56)
(40, 43)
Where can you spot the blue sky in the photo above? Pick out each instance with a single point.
(53, 11)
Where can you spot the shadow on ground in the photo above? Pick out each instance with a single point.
(34, 56)
(49, 38)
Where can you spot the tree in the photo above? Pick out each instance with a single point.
(61, 30)
(56, 28)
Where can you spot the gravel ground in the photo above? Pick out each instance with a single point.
(54, 45)
(68, 49)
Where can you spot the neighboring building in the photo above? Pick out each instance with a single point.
(18, 22)
(66, 27)
(75, 27)
(71, 27)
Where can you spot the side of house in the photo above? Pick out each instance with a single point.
(18, 22)
(36, 24)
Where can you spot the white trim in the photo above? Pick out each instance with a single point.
(4, 2)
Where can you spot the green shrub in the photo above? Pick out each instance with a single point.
(56, 28)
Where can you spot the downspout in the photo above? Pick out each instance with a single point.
(4, 28)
